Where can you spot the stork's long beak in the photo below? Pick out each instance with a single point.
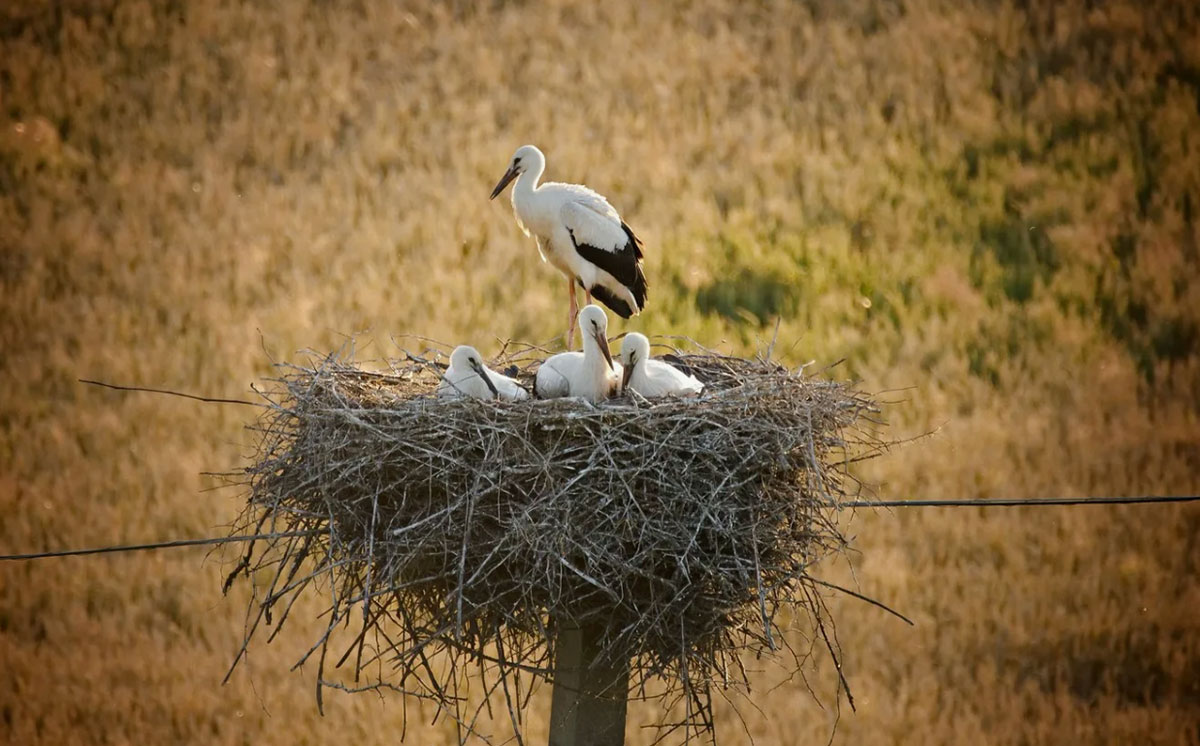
(603, 343)
(486, 379)
(628, 372)
(509, 175)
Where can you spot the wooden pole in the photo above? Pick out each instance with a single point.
(588, 705)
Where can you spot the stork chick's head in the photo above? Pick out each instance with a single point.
(466, 357)
(527, 158)
(593, 323)
(635, 350)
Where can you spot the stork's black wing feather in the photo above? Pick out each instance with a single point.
(617, 305)
(624, 264)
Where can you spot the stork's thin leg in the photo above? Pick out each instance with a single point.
(587, 294)
(571, 313)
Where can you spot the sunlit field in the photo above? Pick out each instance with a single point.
(986, 210)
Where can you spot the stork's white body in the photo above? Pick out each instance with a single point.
(590, 374)
(580, 233)
(464, 378)
(573, 374)
(653, 378)
(553, 212)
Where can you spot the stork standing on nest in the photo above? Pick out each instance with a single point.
(581, 234)
(591, 374)
(468, 376)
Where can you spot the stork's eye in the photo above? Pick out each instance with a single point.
(516, 161)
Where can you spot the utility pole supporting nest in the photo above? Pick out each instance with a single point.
(588, 705)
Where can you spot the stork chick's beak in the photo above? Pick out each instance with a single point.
(486, 379)
(628, 372)
(603, 343)
(509, 175)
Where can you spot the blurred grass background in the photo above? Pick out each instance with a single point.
(989, 206)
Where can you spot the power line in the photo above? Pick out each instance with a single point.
(168, 392)
(983, 502)
(158, 545)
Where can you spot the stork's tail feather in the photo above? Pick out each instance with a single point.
(638, 286)
(633, 239)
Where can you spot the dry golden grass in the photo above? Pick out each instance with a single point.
(992, 206)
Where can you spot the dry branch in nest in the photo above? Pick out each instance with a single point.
(458, 535)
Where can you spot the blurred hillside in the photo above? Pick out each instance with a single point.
(987, 208)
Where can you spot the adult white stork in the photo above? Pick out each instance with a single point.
(591, 374)
(581, 234)
(652, 378)
(468, 376)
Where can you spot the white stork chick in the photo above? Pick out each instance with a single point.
(468, 376)
(591, 374)
(652, 378)
(580, 233)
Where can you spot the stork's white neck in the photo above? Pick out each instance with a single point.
(591, 350)
(595, 366)
(527, 182)
(640, 375)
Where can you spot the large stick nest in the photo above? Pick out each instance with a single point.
(469, 531)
